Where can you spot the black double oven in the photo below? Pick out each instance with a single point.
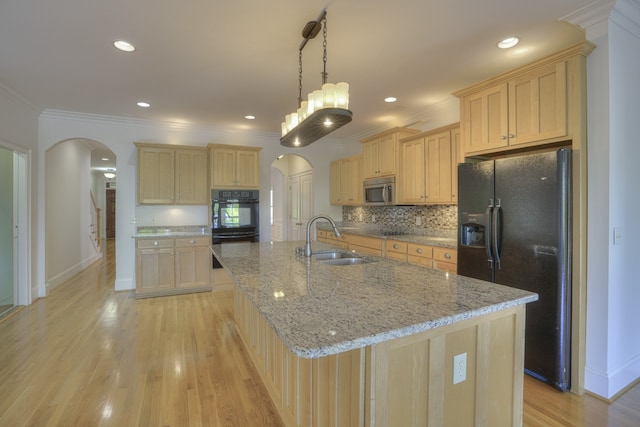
(234, 217)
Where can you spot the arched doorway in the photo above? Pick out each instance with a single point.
(291, 197)
(75, 206)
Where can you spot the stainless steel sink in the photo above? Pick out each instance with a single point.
(347, 261)
(330, 255)
(340, 258)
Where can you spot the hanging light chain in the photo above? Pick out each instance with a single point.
(324, 49)
(299, 77)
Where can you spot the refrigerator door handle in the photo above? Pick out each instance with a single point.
(496, 232)
(487, 234)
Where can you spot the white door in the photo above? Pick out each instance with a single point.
(301, 204)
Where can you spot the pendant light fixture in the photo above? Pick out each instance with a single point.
(325, 109)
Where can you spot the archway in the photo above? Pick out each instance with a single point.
(74, 205)
(291, 196)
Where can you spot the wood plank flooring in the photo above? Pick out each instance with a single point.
(87, 356)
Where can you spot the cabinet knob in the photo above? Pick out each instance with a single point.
(511, 135)
(447, 255)
(503, 137)
(192, 241)
(395, 246)
(419, 250)
(155, 243)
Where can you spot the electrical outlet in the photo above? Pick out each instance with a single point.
(360, 217)
(418, 220)
(135, 220)
(349, 217)
(373, 218)
(459, 368)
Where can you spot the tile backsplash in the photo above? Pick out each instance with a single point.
(431, 219)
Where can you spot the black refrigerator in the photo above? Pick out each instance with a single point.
(514, 228)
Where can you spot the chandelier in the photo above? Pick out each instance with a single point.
(325, 109)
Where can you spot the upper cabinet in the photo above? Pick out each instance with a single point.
(234, 166)
(381, 152)
(526, 107)
(428, 172)
(172, 174)
(345, 181)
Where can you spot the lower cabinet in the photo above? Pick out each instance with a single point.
(167, 266)
(440, 258)
(406, 381)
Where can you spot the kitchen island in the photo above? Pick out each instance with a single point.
(374, 343)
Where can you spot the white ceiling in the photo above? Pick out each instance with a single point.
(210, 63)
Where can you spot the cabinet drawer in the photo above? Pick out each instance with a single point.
(364, 241)
(445, 266)
(321, 234)
(154, 243)
(422, 251)
(365, 250)
(396, 246)
(445, 255)
(192, 241)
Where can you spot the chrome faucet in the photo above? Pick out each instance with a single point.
(307, 246)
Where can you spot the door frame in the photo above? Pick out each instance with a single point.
(21, 223)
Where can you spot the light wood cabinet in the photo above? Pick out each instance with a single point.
(395, 249)
(528, 108)
(335, 178)
(192, 263)
(364, 244)
(420, 254)
(345, 181)
(445, 259)
(234, 166)
(328, 237)
(191, 177)
(429, 167)
(156, 175)
(381, 152)
(168, 266)
(406, 381)
(171, 175)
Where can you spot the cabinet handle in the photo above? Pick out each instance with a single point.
(503, 137)
(395, 246)
(511, 135)
(447, 255)
(419, 250)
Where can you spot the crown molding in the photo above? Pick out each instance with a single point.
(627, 15)
(590, 15)
(12, 94)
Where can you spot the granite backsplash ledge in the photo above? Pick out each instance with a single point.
(433, 219)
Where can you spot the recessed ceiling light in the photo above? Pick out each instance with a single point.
(508, 42)
(143, 104)
(250, 117)
(390, 99)
(124, 46)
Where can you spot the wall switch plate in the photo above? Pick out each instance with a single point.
(373, 218)
(418, 220)
(459, 368)
(135, 220)
(617, 235)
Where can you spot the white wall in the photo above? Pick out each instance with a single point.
(118, 135)
(613, 294)
(6, 227)
(68, 182)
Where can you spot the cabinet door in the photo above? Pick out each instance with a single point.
(356, 192)
(412, 175)
(223, 167)
(455, 159)
(485, 120)
(191, 177)
(439, 168)
(538, 105)
(370, 156)
(155, 175)
(193, 265)
(154, 270)
(335, 172)
(345, 181)
(247, 173)
(388, 155)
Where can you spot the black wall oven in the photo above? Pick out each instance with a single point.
(234, 217)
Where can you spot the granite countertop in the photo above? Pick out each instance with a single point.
(445, 239)
(319, 309)
(155, 232)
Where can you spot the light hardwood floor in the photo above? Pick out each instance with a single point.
(87, 356)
